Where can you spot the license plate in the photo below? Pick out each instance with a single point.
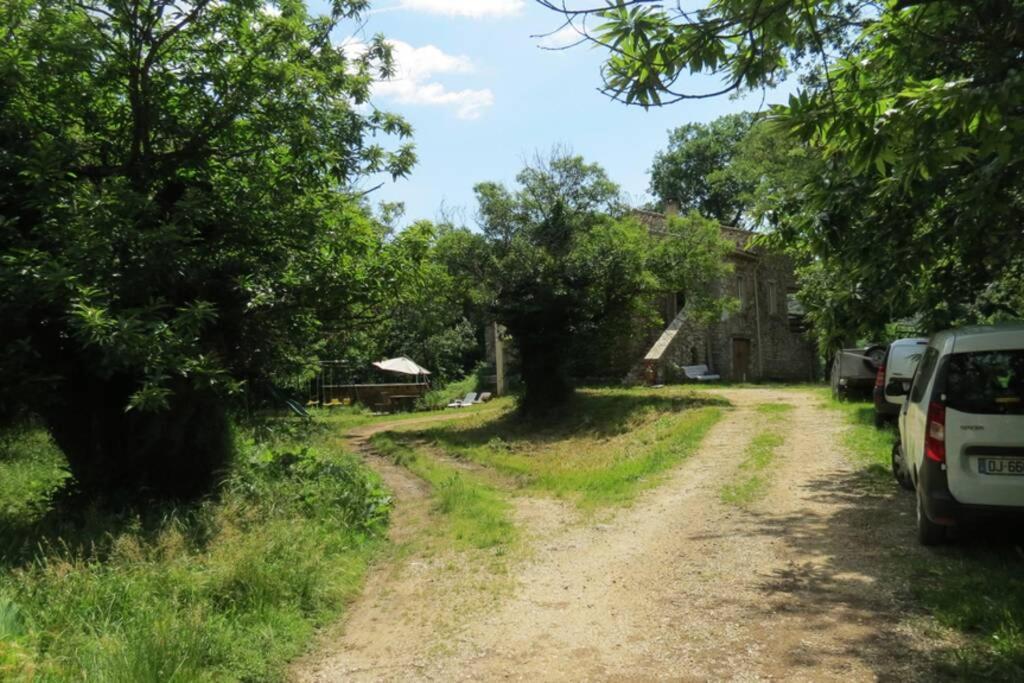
(1004, 466)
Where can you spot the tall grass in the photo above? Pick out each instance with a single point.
(228, 589)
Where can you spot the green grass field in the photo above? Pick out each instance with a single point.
(228, 589)
(604, 448)
(476, 514)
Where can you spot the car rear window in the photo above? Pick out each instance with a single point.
(989, 382)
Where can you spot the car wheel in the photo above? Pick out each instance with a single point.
(899, 468)
(879, 420)
(928, 532)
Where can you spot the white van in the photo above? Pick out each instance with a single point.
(962, 429)
(894, 376)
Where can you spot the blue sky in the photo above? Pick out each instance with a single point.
(483, 97)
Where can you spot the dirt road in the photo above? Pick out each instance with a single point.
(680, 586)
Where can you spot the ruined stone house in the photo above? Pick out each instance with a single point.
(764, 340)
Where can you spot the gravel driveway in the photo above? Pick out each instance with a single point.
(804, 585)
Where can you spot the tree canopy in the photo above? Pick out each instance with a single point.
(695, 172)
(570, 269)
(178, 219)
(910, 116)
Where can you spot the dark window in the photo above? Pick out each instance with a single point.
(989, 382)
(923, 374)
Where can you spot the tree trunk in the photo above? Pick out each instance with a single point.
(177, 453)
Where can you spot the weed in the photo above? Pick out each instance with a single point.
(871, 447)
(228, 589)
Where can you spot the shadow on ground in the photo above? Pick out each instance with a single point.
(591, 413)
(868, 570)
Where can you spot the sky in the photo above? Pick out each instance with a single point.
(484, 97)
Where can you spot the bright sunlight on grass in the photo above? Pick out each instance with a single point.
(608, 445)
(475, 513)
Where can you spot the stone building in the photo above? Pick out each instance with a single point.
(764, 340)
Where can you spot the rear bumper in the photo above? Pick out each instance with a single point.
(883, 406)
(942, 508)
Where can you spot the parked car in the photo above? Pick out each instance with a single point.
(892, 381)
(961, 444)
(854, 370)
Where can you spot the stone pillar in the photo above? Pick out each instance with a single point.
(501, 386)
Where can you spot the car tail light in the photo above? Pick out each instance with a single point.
(935, 437)
(880, 377)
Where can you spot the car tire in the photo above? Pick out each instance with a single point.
(928, 532)
(899, 469)
(880, 420)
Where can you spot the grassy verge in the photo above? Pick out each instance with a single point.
(222, 590)
(476, 514)
(344, 418)
(871, 447)
(603, 449)
(753, 475)
(974, 586)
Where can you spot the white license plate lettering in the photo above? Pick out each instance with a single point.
(1004, 466)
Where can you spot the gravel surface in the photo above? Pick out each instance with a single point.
(802, 586)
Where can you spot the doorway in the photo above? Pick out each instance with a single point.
(741, 360)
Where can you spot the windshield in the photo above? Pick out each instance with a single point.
(990, 382)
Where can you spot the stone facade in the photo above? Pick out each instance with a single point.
(764, 340)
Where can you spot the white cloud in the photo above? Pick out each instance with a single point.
(466, 8)
(563, 37)
(414, 81)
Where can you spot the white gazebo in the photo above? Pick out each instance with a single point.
(404, 366)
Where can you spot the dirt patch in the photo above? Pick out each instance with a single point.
(800, 586)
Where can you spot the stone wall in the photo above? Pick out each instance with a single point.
(777, 349)
(774, 342)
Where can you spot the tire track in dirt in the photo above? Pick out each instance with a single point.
(679, 586)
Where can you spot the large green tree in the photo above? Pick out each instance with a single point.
(177, 219)
(695, 172)
(570, 269)
(432, 311)
(911, 114)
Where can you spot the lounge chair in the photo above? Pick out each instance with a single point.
(699, 373)
(484, 397)
(469, 400)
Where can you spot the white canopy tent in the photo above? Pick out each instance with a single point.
(403, 366)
